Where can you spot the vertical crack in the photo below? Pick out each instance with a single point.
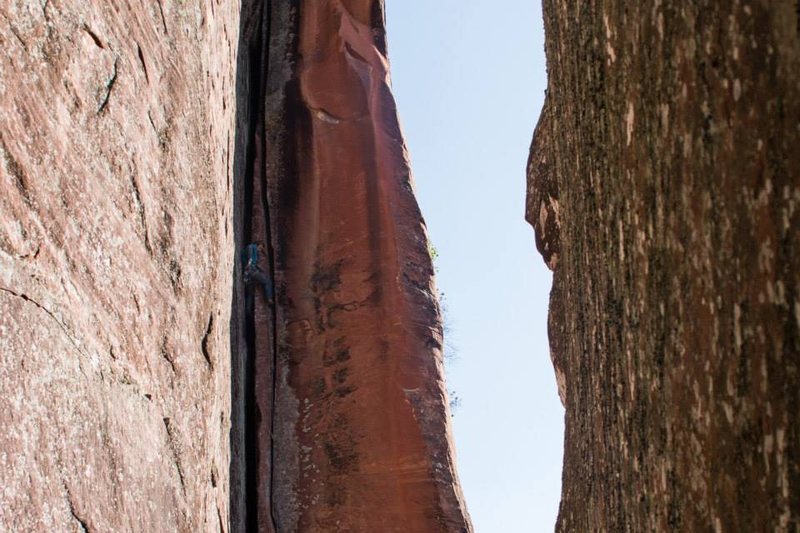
(204, 344)
(253, 327)
(109, 86)
(93, 36)
(83, 525)
(250, 444)
(259, 324)
(173, 446)
(141, 60)
(163, 18)
(267, 21)
(262, 232)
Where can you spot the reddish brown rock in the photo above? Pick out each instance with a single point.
(670, 139)
(144, 386)
(360, 425)
(116, 131)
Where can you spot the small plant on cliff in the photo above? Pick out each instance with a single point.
(454, 400)
(449, 352)
(434, 253)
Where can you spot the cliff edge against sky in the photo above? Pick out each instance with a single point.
(156, 374)
(664, 190)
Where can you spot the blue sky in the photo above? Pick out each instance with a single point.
(469, 79)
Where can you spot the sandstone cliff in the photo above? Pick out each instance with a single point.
(664, 190)
(351, 430)
(143, 385)
(115, 258)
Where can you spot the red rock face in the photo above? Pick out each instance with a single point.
(362, 432)
(143, 387)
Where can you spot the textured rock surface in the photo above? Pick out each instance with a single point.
(143, 387)
(669, 140)
(360, 426)
(116, 122)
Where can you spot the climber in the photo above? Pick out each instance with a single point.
(254, 274)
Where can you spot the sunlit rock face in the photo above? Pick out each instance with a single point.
(663, 186)
(116, 132)
(146, 384)
(361, 432)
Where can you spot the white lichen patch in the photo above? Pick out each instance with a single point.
(629, 119)
(543, 219)
(766, 257)
(612, 56)
(728, 412)
(554, 206)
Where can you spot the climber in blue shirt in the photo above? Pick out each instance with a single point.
(254, 274)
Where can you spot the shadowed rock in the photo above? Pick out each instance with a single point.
(669, 141)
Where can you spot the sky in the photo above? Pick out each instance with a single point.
(469, 80)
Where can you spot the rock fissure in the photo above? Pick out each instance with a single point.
(16, 34)
(205, 342)
(172, 443)
(93, 36)
(163, 18)
(142, 62)
(281, 134)
(80, 520)
(49, 313)
(270, 256)
(261, 312)
(109, 86)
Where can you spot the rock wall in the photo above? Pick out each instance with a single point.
(116, 133)
(144, 386)
(664, 190)
(349, 379)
